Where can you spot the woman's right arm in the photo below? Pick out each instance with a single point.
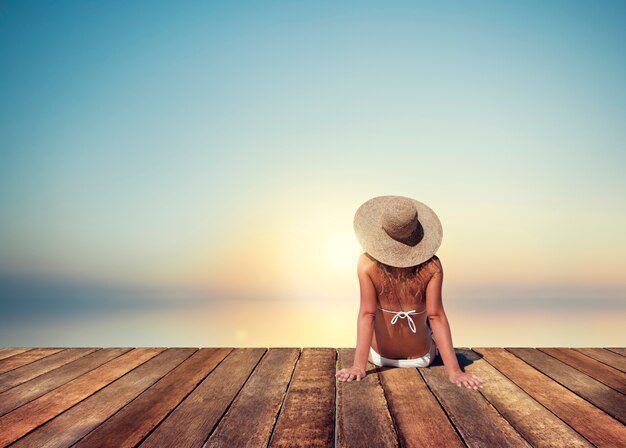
(441, 331)
(439, 322)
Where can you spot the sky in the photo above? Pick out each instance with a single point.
(170, 167)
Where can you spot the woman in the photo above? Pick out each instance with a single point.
(400, 279)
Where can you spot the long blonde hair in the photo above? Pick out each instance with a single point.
(405, 287)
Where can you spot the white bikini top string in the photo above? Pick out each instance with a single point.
(402, 315)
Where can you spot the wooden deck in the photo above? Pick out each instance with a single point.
(288, 397)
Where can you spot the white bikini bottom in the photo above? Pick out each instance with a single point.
(424, 361)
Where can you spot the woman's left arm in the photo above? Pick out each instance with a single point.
(367, 315)
(365, 324)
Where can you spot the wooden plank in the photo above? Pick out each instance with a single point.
(27, 357)
(592, 367)
(540, 427)
(478, 422)
(130, 425)
(618, 350)
(193, 420)
(34, 369)
(307, 418)
(10, 351)
(75, 423)
(607, 399)
(24, 419)
(419, 418)
(251, 417)
(608, 357)
(25, 392)
(592, 423)
(363, 418)
(141, 399)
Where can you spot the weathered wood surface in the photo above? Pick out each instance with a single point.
(308, 415)
(26, 357)
(478, 422)
(191, 423)
(601, 395)
(37, 368)
(618, 350)
(131, 424)
(610, 357)
(363, 418)
(588, 420)
(602, 372)
(6, 352)
(250, 419)
(288, 397)
(534, 422)
(17, 396)
(24, 419)
(419, 418)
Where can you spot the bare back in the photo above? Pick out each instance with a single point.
(401, 289)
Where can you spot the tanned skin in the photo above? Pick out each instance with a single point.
(438, 323)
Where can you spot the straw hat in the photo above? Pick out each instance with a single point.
(398, 231)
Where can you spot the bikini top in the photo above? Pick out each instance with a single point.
(402, 315)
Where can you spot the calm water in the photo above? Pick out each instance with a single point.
(291, 324)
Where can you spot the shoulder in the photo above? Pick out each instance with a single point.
(366, 260)
(435, 266)
(366, 263)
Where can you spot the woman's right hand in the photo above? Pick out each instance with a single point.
(466, 379)
(350, 373)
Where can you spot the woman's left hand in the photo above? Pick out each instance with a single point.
(350, 373)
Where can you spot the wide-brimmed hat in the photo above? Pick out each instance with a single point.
(398, 231)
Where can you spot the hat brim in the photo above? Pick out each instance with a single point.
(375, 241)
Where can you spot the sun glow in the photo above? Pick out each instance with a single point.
(343, 251)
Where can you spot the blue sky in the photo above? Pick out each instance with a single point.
(197, 146)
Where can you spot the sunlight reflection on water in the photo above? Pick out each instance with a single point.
(311, 324)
